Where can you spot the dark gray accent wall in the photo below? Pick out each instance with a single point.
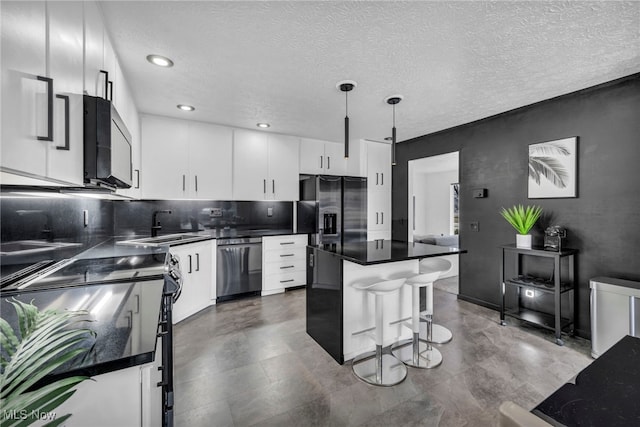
(603, 222)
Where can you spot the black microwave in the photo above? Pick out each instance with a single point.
(107, 145)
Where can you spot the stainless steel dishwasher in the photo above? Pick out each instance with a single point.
(239, 267)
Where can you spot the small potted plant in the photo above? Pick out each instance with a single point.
(522, 219)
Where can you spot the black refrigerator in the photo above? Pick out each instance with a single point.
(332, 209)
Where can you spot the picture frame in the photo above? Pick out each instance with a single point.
(553, 169)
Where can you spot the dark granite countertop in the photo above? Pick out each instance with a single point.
(124, 316)
(382, 251)
(211, 234)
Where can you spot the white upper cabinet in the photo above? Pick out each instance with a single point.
(185, 160)
(65, 156)
(265, 166)
(322, 158)
(210, 151)
(42, 75)
(24, 106)
(283, 168)
(164, 158)
(250, 168)
(94, 80)
(335, 163)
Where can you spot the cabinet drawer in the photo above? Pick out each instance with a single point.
(285, 280)
(288, 254)
(284, 266)
(281, 242)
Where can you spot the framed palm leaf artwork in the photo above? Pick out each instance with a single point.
(553, 169)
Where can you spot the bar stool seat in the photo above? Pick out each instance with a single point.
(415, 351)
(374, 367)
(439, 334)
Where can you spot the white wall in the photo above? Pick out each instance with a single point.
(432, 192)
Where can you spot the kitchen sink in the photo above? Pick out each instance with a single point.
(163, 240)
(27, 247)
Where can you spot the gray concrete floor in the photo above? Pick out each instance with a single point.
(250, 362)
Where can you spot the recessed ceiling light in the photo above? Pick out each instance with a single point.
(184, 107)
(160, 61)
(263, 125)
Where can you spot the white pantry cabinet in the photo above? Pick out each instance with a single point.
(197, 262)
(378, 190)
(265, 166)
(42, 72)
(184, 159)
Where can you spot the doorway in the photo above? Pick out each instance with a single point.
(434, 209)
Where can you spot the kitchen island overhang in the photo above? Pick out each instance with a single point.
(339, 317)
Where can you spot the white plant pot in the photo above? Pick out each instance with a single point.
(523, 241)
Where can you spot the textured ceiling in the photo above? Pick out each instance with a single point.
(240, 63)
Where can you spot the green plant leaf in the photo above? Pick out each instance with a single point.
(47, 340)
(521, 218)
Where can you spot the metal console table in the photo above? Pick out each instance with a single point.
(558, 285)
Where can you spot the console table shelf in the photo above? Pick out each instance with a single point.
(557, 286)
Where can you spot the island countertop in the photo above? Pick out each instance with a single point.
(383, 251)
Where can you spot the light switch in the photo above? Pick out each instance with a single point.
(269, 211)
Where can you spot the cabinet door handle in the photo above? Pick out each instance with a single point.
(381, 217)
(286, 266)
(49, 136)
(106, 82)
(273, 186)
(287, 243)
(184, 182)
(285, 255)
(381, 178)
(65, 98)
(285, 281)
(320, 162)
(196, 179)
(328, 162)
(377, 218)
(264, 186)
(137, 171)
(190, 259)
(197, 261)
(110, 91)
(377, 178)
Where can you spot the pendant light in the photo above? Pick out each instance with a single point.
(393, 100)
(346, 86)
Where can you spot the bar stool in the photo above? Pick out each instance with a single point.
(439, 334)
(415, 351)
(374, 367)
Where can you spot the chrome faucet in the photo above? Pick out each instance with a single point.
(155, 224)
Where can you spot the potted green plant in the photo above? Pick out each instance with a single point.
(522, 219)
(44, 341)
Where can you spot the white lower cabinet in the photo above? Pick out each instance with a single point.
(197, 262)
(283, 262)
(126, 397)
(111, 399)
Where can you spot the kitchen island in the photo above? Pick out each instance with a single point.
(339, 316)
